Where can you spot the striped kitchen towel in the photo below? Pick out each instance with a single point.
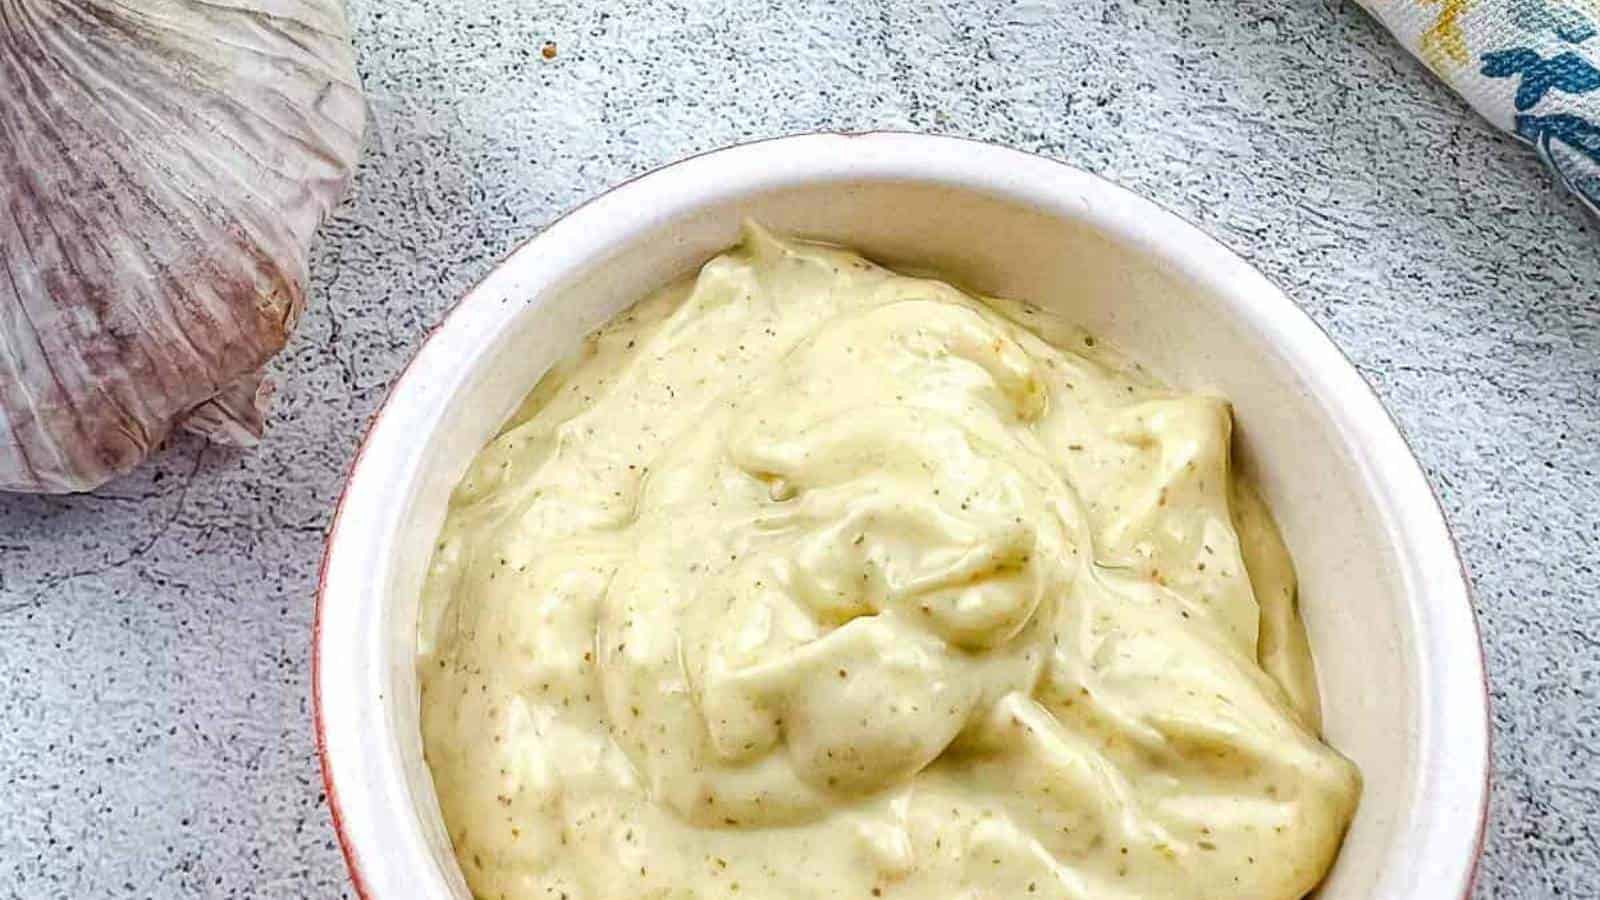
(1531, 67)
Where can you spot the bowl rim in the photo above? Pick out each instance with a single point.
(821, 154)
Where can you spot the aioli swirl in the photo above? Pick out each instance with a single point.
(809, 579)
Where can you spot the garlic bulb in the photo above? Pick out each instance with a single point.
(163, 166)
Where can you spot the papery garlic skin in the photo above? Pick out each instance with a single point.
(163, 167)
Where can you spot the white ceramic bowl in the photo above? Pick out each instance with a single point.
(1386, 604)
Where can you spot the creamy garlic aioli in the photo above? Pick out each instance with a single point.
(809, 579)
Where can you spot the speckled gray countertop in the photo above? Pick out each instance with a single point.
(154, 636)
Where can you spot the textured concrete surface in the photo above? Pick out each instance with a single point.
(154, 636)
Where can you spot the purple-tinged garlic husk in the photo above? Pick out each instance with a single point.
(164, 165)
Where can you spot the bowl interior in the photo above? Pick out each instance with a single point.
(1133, 275)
